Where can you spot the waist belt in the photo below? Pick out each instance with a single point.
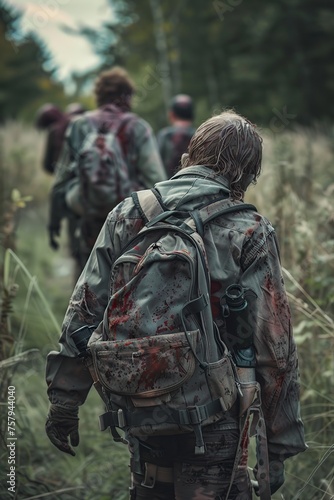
(193, 416)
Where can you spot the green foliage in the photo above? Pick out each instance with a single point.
(295, 180)
(30, 318)
(25, 83)
(225, 54)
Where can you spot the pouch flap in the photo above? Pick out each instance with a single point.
(145, 367)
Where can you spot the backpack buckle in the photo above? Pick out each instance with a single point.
(190, 416)
(194, 415)
(112, 419)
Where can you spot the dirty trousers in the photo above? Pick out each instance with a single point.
(172, 471)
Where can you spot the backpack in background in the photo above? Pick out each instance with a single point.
(157, 354)
(102, 173)
(104, 179)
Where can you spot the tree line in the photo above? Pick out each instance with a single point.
(265, 59)
(27, 80)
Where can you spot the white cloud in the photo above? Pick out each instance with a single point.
(40, 15)
(46, 17)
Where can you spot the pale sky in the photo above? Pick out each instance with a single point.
(70, 53)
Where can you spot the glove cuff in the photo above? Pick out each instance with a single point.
(59, 413)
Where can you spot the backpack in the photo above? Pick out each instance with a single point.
(157, 354)
(103, 173)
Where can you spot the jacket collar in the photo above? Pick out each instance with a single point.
(205, 173)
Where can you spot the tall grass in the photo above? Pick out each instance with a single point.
(294, 192)
(35, 285)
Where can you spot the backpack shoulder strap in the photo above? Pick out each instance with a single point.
(203, 215)
(148, 203)
(215, 209)
(124, 119)
(218, 208)
(111, 121)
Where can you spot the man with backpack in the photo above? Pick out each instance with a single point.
(108, 153)
(173, 140)
(181, 320)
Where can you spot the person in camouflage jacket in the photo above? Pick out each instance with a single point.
(224, 158)
(113, 91)
(173, 140)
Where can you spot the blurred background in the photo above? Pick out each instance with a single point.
(273, 63)
(262, 59)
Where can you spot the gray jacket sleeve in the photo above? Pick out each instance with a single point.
(67, 378)
(277, 361)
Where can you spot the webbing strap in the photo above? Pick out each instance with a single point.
(147, 203)
(218, 208)
(195, 306)
(258, 428)
(188, 416)
(262, 454)
(154, 472)
(196, 414)
(198, 222)
(192, 416)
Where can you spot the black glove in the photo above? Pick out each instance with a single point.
(53, 233)
(276, 475)
(62, 423)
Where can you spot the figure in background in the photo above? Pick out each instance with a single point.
(173, 140)
(108, 153)
(52, 120)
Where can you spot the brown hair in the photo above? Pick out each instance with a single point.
(114, 86)
(230, 145)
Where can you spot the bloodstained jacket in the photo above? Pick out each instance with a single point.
(241, 248)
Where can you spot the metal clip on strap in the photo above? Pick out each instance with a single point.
(194, 416)
(113, 419)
